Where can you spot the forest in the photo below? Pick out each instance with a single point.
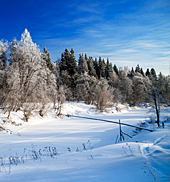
(29, 80)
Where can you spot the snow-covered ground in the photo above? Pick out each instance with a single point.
(74, 149)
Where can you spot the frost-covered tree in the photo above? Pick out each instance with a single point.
(82, 87)
(159, 93)
(29, 79)
(141, 87)
(3, 57)
(91, 97)
(3, 75)
(104, 96)
(123, 73)
(126, 89)
(164, 88)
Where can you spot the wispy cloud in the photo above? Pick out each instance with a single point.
(137, 34)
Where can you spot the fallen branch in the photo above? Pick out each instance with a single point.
(68, 115)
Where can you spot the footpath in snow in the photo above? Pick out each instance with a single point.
(75, 149)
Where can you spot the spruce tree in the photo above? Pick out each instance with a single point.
(132, 72)
(141, 71)
(46, 57)
(63, 63)
(72, 64)
(153, 73)
(148, 74)
(92, 71)
(82, 64)
(96, 67)
(109, 70)
(116, 70)
(102, 67)
(86, 57)
(138, 70)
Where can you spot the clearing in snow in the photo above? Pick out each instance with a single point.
(77, 149)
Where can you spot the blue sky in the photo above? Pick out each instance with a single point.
(128, 32)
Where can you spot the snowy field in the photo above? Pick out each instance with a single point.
(78, 150)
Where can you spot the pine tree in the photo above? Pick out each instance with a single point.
(72, 63)
(138, 70)
(153, 73)
(82, 65)
(46, 57)
(132, 72)
(86, 57)
(141, 71)
(148, 73)
(92, 71)
(63, 63)
(109, 70)
(116, 70)
(102, 67)
(96, 67)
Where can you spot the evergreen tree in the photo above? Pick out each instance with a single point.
(148, 74)
(92, 71)
(86, 57)
(138, 70)
(62, 63)
(82, 65)
(116, 70)
(46, 57)
(141, 71)
(132, 72)
(72, 63)
(102, 67)
(109, 70)
(68, 62)
(153, 73)
(96, 67)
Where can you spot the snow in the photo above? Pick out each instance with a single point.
(74, 149)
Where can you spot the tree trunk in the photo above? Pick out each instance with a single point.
(157, 109)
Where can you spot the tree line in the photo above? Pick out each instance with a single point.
(29, 80)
